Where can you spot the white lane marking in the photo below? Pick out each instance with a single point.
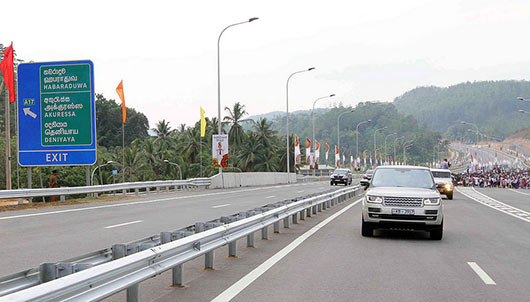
(497, 205)
(122, 224)
(272, 196)
(221, 205)
(301, 191)
(139, 202)
(240, 285)
(519, 192)
(481, 273)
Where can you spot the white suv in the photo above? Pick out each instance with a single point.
(402, 197)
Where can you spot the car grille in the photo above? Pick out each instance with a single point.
(403, 201)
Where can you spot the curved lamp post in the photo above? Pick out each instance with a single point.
(219, 76)
(287, 116)
(94, 171)
(176, 165)
(313, 117)
(357, 134)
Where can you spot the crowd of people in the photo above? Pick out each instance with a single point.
(498, 177)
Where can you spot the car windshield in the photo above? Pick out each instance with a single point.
(340, 172)
(400, 177)
(441, 174)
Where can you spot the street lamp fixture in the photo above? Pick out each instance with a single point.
(174, 164)
(219, 76)
(287, 116)
(94, 171)
(313, 117)
(357, 134)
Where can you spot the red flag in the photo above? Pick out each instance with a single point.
(327, 148)
(6, 66)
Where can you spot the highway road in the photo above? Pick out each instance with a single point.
(486, 155)
(31, 237)
(483, 257)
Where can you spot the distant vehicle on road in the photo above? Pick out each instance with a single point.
(402, 197)
(341, 176)
(444, 183)
(368, 174)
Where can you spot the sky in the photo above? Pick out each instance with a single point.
(166, 51)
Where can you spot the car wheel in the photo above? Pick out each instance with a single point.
(366, 229)
(450, 196)
(331, 183)
(437, 233)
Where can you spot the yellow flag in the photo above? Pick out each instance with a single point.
(203, 123)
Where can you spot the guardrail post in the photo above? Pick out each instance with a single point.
(177, 271)
(124, 192)
(147, 190)
(157, 189)
(277, 227)
(315, 210)
(265, 233)
(324, 205)
(232, 249)
(62, 198)
(136, 191)
(47, 272)
(309, 211)
(120, 251)
(295, 218)
(167, 189)
(286, 222)
(250, 240)
(302, 215)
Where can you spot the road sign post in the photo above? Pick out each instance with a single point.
(57, 114)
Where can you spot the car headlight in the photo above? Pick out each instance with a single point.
(448, 186)
(374, 199)
(432, 201)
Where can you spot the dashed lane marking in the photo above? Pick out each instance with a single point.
(123, 224)
(221, 206)
(481, 273)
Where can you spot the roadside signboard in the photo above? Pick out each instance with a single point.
(220, 150)
(57, 114)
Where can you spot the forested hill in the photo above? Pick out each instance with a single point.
(492, 105)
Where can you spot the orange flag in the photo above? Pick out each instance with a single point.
(119, 90)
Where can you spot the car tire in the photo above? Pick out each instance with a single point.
(437, 233)
(450, 196)
(332, 183)
(366, 229)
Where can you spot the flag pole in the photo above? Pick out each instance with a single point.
(8, 142)
(200, 154)
(123, 150)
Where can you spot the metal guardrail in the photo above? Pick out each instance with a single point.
(82, 279)
(124, 187)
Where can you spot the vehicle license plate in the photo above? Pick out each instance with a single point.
(402, 212)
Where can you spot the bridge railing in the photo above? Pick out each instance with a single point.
(124, 266)
(123, 187)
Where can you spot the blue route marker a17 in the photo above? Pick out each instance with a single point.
(57, 114)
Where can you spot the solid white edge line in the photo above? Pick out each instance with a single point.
(221, 205)
(481, 273)
(123, 224)
(495, 208)
(240, 285)
(272, 196)
(519, 192)
(141, 202)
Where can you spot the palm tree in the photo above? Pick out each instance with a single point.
(235, 117)
(264, 132)
(163, 132)
(248, 155)
(267, 161)
(189, 143)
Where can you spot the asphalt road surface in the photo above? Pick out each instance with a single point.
(484, 256)
(31, 237)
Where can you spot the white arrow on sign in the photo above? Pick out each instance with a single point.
(27, 111)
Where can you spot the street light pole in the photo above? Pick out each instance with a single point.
(375, 143)
(219, 76)
(406, 145)
(174, 164)
(338, 127)
(357, 134)
(395, 142)
(94, 171)
(287, 117)
(313, 117)
(386, 153)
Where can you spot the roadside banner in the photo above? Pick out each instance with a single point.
(327, 152)
(317, 154)
(337, 156)
(307, 151)
(297, 154)
(220, 150)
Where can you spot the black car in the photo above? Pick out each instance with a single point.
(342, 176)
(368, 174)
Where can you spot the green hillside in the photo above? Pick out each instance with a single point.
(492, 105)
